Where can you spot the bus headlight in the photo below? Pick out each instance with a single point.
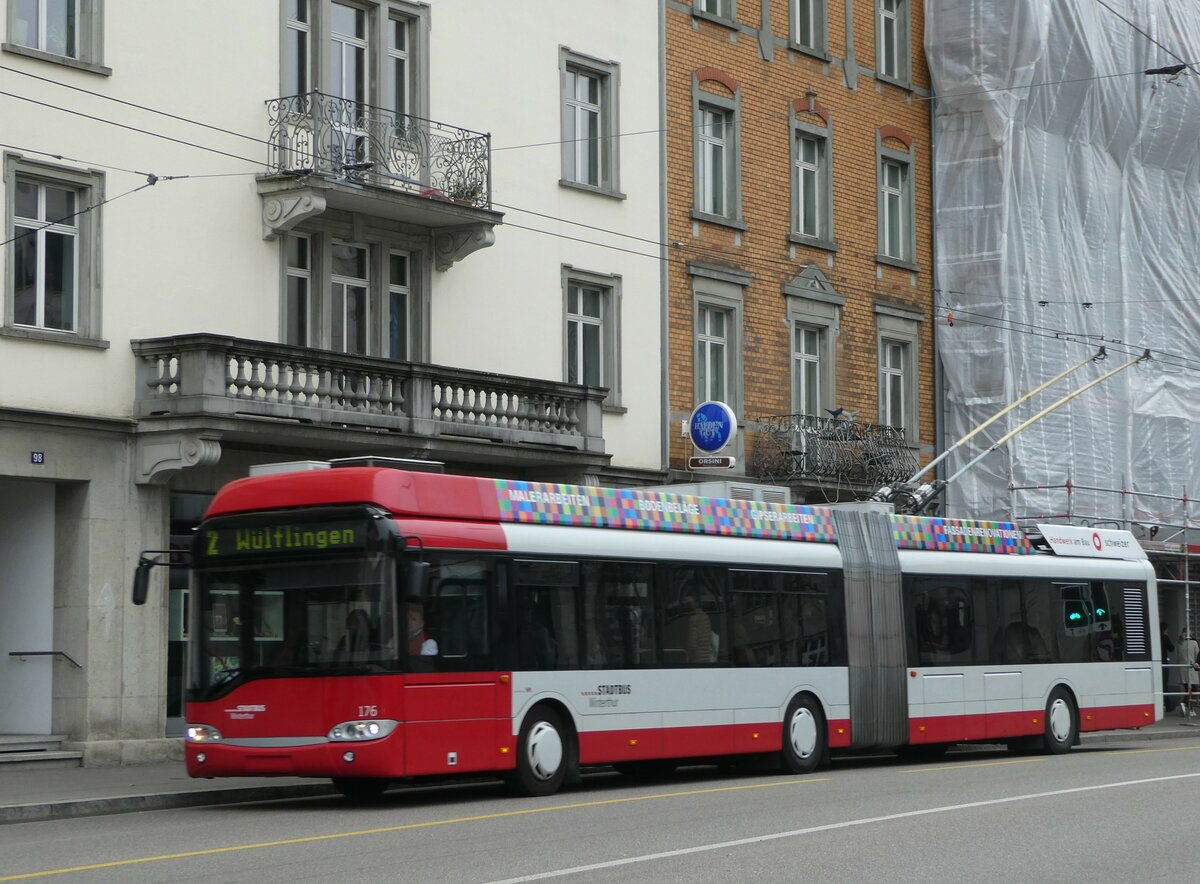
(369, 729)
(202, 733)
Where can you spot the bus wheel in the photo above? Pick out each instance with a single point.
(542, 750)
(803, 736)
(1060, 722)
(361, 788)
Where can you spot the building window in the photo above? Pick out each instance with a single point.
(812, 186)
(808, 25)
(349, 285)
(358, 298)
(717, 294)
(892, 36)
(897, 239)
(298, 289)
(400, 343)
(722, 9)
(590, 126)
(67, 31)
(592, 311)
(714, 170)
(813, 311)
(297, 48)
(893, 359)
(374, 54)
(712, 353)
(53, 290)
(807, 353)
(897, 330)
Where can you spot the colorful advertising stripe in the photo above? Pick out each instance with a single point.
(959, 535)
(544, 503)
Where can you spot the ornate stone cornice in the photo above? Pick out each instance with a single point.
(283, 211)
(159, 457)
(451, 244)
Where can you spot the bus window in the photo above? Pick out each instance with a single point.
(618, 614)
(546, 594)
(943, 618)
(779, 619)
(694, 617)
(457, 612)
(1022, 620)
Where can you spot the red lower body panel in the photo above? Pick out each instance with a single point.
(1003, 725)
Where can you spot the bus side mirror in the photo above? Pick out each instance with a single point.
(418, 579)
(141, 581)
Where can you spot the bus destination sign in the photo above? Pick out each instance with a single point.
(284, 538)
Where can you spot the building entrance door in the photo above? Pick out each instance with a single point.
(27, 603)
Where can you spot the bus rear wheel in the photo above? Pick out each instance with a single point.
(804, 735)
(361, 788)
(543, 754)
(1061, 722)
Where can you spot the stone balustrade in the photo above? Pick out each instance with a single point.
(221, 377)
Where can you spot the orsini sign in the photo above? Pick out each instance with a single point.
(712, 426)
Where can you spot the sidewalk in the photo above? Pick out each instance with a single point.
(30, 795)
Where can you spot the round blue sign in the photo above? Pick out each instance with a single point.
(712, 426)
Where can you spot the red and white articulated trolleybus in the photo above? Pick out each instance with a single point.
(369, 624)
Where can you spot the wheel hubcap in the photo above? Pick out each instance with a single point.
(544, 750)
(803, 733)
(1060, 720)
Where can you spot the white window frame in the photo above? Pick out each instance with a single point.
(898, 332)
(813, 303)
(607, 112)
(903, 200)
(84, 226)
(820, 175)
(381, 243)
(88, 54)
(609, 288)
(379, 55)
(722, 11)
(297, 31)
(402, 292)
(345, 283)
(811, 13)
(704, 146)
(303, 275)
(718, 289)
(893, 38)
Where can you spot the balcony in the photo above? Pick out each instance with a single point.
(329, 152)
(803, 448)
(264, 395)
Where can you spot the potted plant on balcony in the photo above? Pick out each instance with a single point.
(464, 192)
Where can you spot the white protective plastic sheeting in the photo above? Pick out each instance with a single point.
(1065, 175)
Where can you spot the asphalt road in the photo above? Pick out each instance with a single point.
(1112, 812)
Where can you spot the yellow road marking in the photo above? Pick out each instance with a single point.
(1164, 749)
(408, 826)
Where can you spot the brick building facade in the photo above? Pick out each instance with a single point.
(799, 223)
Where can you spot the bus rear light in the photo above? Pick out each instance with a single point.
(202, 733)
(354, 731)
(504, 679)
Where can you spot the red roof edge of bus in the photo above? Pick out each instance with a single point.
(400, 492)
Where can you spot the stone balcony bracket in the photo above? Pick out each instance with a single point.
(161, 455)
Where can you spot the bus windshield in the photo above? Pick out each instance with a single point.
(278, 619)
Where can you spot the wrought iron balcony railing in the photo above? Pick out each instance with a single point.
(796, 447)
(212, 376)
(346, 139)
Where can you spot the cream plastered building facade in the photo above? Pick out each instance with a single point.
(271, 231)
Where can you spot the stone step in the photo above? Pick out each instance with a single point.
(29, 743)
(42, 759)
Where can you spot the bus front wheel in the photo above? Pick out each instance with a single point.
(1060, 722)
(804, 735)
(543, 750)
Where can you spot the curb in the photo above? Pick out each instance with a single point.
(1140, 736)
(70, 809)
